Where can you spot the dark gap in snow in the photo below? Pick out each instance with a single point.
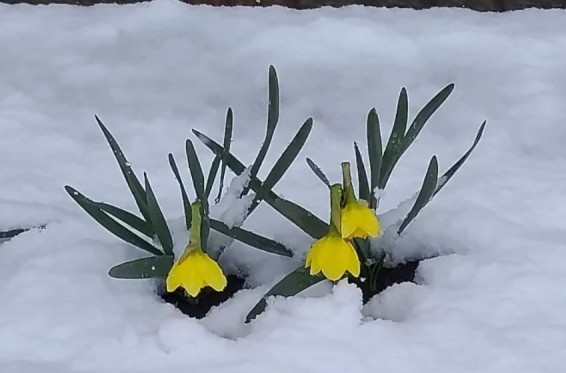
(389, 276)
(207, 299)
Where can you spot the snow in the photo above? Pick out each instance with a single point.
(493, 302)
(232, 209)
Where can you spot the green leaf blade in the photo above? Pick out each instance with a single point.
(292, 284)
(394, 148)
(228, 129)
(302, 218)
(423, 198)
(423, 116)
(318, 172)
(110, 224)
(145, 268)
(133, 183)
(448, 174)
(158, 220)
(251, 239)
(272, 120)
(284, 162)
(211, 177)
(195, 170)
(375, 150)
(204, 225)
(186, 202)
(363, 183)
(128, 218)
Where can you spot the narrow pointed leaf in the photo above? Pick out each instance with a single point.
(375, 154)
(423, 115)
(284, 162)
(204, 225)
(448, 174)
(287, 157)
(152, 267)
(158, 220)
(232, 162)
(298, 215)
(196, 170)
(427, 191)
(227, 143)
(128, 218)
(186, 201)
(290, 285)
(318, 172)
(363, 183)
(133, 183)
(302, 218)
(109, 223)
(252, 239)
(211, 177)
(272, 120)
(394, 147)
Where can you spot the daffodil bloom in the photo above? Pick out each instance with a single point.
(333, 255)
(357, 219)
(195, 270)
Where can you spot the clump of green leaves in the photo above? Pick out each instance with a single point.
(382, 162)
(148, 230)
(264, 189)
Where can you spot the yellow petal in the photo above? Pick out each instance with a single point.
(353, 262)
(308, 259)
(194, 286)
(314, 265)
(335, 258)
(173, 279)
(194, 271)
(215, 277)
(331, 267)
(359, 221)
(347, 224)
(312, 256)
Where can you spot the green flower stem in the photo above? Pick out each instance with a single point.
(347, 182)
(335, 205)
(196, 221)
(346, 175)
(195, 242)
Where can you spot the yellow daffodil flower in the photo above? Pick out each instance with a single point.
(195, 270)
(333, 255)
(357, 219)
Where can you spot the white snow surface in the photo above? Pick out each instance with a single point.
(493, 302)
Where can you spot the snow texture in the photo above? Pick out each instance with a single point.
(494, 302)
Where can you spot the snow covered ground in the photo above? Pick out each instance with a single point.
(495, 303)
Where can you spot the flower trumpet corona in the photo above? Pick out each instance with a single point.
(357, 219)
(332, 254)
(195, 270)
